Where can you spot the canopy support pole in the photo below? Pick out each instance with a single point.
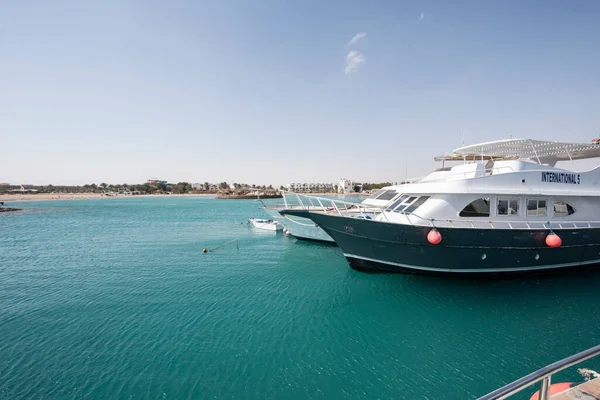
(535, 152)
(571, 158)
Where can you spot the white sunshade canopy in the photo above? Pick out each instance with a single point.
(525, 149)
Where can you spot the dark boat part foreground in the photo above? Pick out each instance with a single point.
(378, 246)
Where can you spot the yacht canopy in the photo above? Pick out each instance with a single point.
(538, 150)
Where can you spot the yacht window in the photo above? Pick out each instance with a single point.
(508, 207)
(374, 195)
(406, 203)
(477, 208)
(402, 202)
(416, 204)
(536, 207)
(387, 195)
(562, 209)
(409, 203)
(397, 203)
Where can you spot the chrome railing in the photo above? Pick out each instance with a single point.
(505, 224)
(544, 375)
(343, 208)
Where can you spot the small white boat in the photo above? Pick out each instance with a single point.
(266, 224)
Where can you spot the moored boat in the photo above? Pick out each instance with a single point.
(299, 227)
(266, 224)
(510, 210)
(305, 229)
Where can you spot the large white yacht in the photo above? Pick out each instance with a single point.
(506, 209)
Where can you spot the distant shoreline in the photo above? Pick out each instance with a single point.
(82, 196)
(19, 197)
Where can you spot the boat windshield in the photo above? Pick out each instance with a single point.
(383, 194)
(407, 204)
(387, 195)
(374, 195)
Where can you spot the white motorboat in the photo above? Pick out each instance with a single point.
(266, 224)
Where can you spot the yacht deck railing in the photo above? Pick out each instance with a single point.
(505, 224)
(543, 375)
(341, 207)
(357, 210)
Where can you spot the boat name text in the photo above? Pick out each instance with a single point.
(561, 177)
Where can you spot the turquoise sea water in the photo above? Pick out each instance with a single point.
(112, 298)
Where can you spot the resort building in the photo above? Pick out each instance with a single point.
(24, 188)
(310, 187)
(202, 186)
(348, 186)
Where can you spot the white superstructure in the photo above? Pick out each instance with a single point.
(513, 179)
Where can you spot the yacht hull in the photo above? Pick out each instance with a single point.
(379, 246)
(299, 227)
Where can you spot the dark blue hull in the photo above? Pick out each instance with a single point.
(380, 246)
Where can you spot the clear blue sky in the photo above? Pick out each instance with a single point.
(260, 91)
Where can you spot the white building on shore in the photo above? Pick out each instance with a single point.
(310, 187)
(348, 186)
(202, 186)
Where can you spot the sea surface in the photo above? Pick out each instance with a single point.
(114, 299)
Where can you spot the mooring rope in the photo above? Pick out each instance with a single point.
(223, 245)
(588, 373)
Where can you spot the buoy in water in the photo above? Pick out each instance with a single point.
(553, 240)
(204, 251)
(554, 389)
(434, 237)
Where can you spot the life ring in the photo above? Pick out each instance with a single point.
(554, 389)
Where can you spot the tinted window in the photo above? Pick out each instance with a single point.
(502, 207)
(531, 207)
(513, 207)
(416, 204)
(406, 203)
(562, 209)
(477, 208)
(377, 193)
(387, 195)
(536, 207)
(508, 207)
(542, 207)
(397, 202)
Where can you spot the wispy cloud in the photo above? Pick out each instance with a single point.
(422, 16)
(356, 38)
(353, 61)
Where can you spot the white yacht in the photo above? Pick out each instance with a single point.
(305, 229)
(506, 209)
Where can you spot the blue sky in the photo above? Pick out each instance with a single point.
(257, 91)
